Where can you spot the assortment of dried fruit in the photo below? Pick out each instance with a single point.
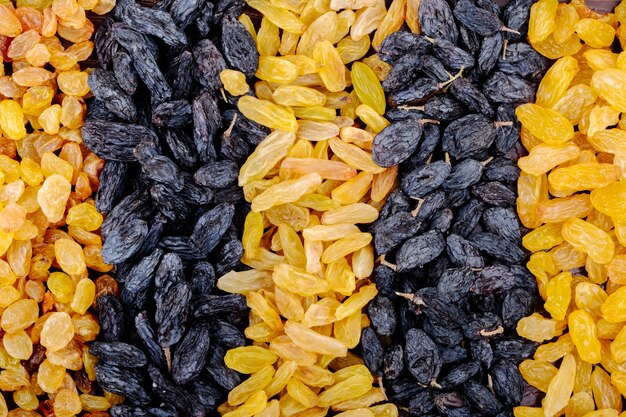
(50, 247)
(313, 188)
(311, 209)
(452, 286)
(173, 142)
(571, 192)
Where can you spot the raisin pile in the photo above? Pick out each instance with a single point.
(452, 288)
(571, 194)
(173, 141)
(313, 189)
(51, 267)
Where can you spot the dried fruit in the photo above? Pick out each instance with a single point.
(47, 317)
(572, 183)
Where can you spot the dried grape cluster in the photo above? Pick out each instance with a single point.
(443, 334)
(50, 246)
(313, 189)
(173, 142)
(571, 194)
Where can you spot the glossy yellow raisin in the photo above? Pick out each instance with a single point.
(556, 81)
(566, 20)
(604, 393)
(595, 33)
(588, 238)
(560, 387)
(546, 124)
(558, 295)
(367, 87)
(538, 373)
(330, 66)
(267, 113)
(542, 20)
(582, 329)
(234, 82)
(607, 83)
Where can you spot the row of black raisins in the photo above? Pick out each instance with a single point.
(452, 286)
(173, 144)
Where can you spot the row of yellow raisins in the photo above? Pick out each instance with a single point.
(571, 194)
(310, 183)
(49, 226)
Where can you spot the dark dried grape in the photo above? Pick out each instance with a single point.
(507, 382)
(455, 284)
(437, 21)
(469, 136)
(392, 231)
(118, 354)
(152, 22)
(209, 63)
(382, 315)
(145, 64)
(105, 87)
(422, 356)
(239, 46)
(416, 92)
(463, 252)
(483, 22)
(460, 374)
(481, 398)
(425, 179)
(464, 91)
(507, 88)
(114, 141)
(373, 351)
(191, 353)
(217, 174)
(503, 222)
(123, 381)
(420, 250)
(452, 56)
(393, 362)
(495, 194)
(404, 71)
(498, 248)
(206, 122)
(172, 114)
(490, 50)
(399, 44)
(463, 175)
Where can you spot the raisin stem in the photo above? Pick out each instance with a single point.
(487, 333)
(447, 158)
(486, 161)
(490, 383)
(420, 201)
(412, 298)
(420, 108)
(228, 131)
(168, 358)
(224, 95)
(505, 44)
(425, 121)
(509, 30)
(435, 384)
(381, 260)
(445, 84)
(382, 387)
(503, 124)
